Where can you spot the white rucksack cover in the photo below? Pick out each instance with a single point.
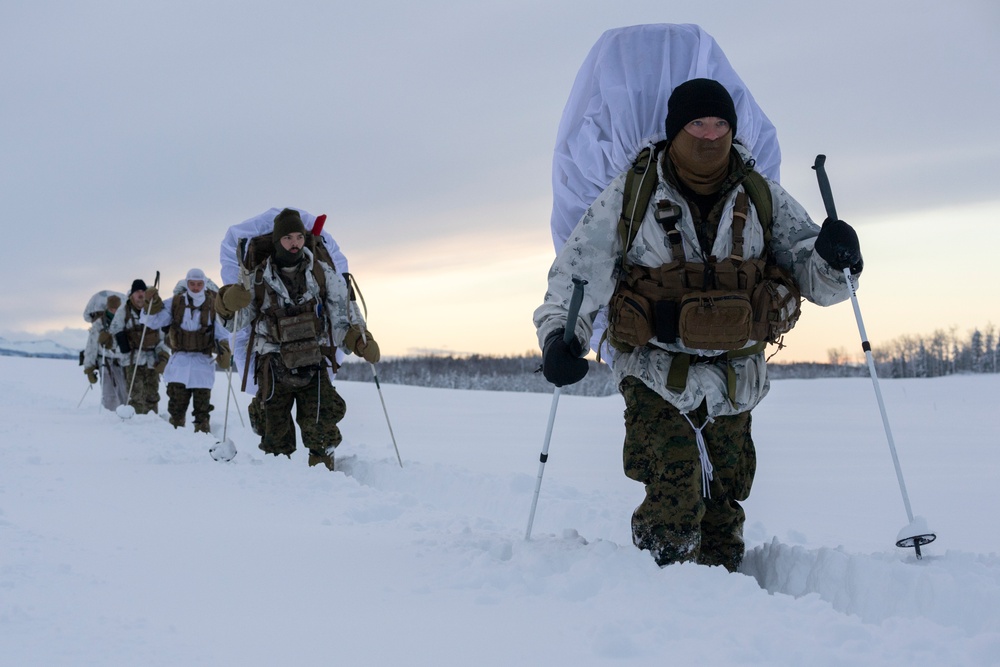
(618, 105)
(98, 304)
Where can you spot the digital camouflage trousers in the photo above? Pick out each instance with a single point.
(145, 395)
(318, 410)
(179, 396)
(676, 522)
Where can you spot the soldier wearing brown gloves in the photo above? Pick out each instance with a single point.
(299, 312)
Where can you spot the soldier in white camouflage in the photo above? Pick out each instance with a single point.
(144, 352)
(299, 312)
(101, 359)
(688, 401)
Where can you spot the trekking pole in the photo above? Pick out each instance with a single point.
(384, 411)
(351, 284)
(232, 392)
(570, 332)
(85, 391)
(127, 411)
(104, 361)
(913, 535)
(224, 450)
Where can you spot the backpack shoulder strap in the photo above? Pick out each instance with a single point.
(177, 309)
(760, 194)
(208, 310)
(320, 275)
(640, 182)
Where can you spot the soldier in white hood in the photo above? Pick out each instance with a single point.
(101, 358)
(195, 335)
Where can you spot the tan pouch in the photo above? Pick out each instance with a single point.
(631, 318)
(299, 354)
(296, 328)
(715, 320)
(777, 304)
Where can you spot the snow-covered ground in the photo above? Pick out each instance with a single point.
(124, 543)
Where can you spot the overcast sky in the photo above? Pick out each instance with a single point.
(133, 134)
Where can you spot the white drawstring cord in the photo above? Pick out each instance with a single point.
(707, 472)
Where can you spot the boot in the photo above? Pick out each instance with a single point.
(202, 427)
(177, 422)
(315, 458)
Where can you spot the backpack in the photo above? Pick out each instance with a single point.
(94, 310)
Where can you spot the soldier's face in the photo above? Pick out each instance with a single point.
(710, 128)
(138, 299)
(293, 242)
(196, 286)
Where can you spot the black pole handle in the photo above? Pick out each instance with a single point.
(824, 187)
(575, 302)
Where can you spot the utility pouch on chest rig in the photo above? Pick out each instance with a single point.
(715, 320)
(296, 327)
(298, 336)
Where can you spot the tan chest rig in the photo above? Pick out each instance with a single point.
(712, 305)
(715, 305)
(295, 328)
(139, 337)
(201, 340)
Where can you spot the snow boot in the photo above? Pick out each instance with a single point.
(318, 457)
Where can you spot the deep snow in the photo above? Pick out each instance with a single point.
(124, 543)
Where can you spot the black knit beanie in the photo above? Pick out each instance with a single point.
(285, 223)
(699, 98)
(138, 285)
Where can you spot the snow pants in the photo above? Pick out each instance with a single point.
(179, 396)
(145, 390)
(676, 522)
(114, 391)
(318, 410)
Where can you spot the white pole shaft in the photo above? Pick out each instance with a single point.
(542, 459)
(386, 413)
(866, 346)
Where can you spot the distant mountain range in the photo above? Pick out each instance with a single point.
(36, 348)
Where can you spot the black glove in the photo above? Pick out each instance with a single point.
(561, 362)
(838, 245)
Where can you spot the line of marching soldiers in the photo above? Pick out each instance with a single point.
(291, 317)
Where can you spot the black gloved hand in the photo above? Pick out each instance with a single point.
(562, 363)
(838, 245)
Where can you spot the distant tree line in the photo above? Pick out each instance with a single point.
(934, 355)
(487, 373)
(908, 356)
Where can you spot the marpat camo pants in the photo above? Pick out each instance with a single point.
(676, 522)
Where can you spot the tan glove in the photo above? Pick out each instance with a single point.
(91, 372)
(225, 356)
(161, 363)
(154, 303)
(363, 346)
(232, 298)
(104, 339)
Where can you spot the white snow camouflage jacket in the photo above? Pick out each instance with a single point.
(93, 353)
(339, 312)
(594, 247)
(127, 318)
(194, 370)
